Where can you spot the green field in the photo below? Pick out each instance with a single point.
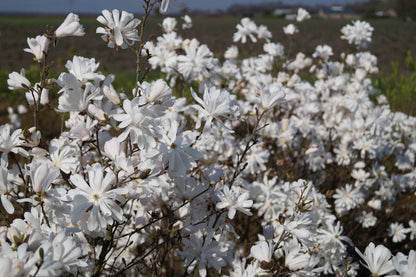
(392, 39)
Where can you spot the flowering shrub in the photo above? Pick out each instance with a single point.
(251, 174)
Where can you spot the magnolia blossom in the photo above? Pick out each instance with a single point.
(290, 30)
(38, 47)
(246, 28)
(65, 253)
(119, 31)
(84, 69)
(178, 152)
(377, 259)
(203, 251)
(11, 142)
(158, 179)
(137, 124)
(42, 175)
(70, 27)
(18, 81)
(302, 15)
(95, 203)
(187, 22)
(358, 34)
(295, 258)
(397, 232)
(234, 199)
(406, 266)
(169, 24)
(214, 105)
(4, 187)
(262, 251)
(196, 63)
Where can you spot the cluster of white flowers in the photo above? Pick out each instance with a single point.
(134, 184)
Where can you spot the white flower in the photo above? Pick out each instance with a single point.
(70, 27)
(4, 187)
(412, 229)
(246, 28)
(214, 105)
(271, 95)
(63, 156)
(377, 259)
(295, 258)
(263, 33)
(118, 31)
(406, 266)
(178, 152)
(274, 49)
(202, 249)
(38, 47)
(18, 81)
(323, 52)
(358, 34)
(169, 24)
(262, 251)
(290, 30)
(197, 62)
(187, 22)
(397, 231)
(64, 251)
(94, 203)
(347, 198)
(367, 219)
(302, 15)
(84, 69)
(231, 52)
(11, 142)
(137, 124)
(78, 100)
(111, 94)
(42, 175)
(331, 237)
(234, 199)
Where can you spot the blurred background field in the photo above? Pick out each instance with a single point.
(394, 43)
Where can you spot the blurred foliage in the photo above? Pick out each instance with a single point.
(406, 8)
(400, 87)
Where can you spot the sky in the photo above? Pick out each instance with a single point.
(95, 6)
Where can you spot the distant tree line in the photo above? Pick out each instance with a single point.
(406, 8)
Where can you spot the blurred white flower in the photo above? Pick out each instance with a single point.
(246, 28)
(406, 266)
(18, 80)
(397, 232)
(302, 15)
(323, 52)
(290, 30)
(187, 22)
(358, 34)
(70, 27)
(262, 251)
(264, 33)
(169, 24)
